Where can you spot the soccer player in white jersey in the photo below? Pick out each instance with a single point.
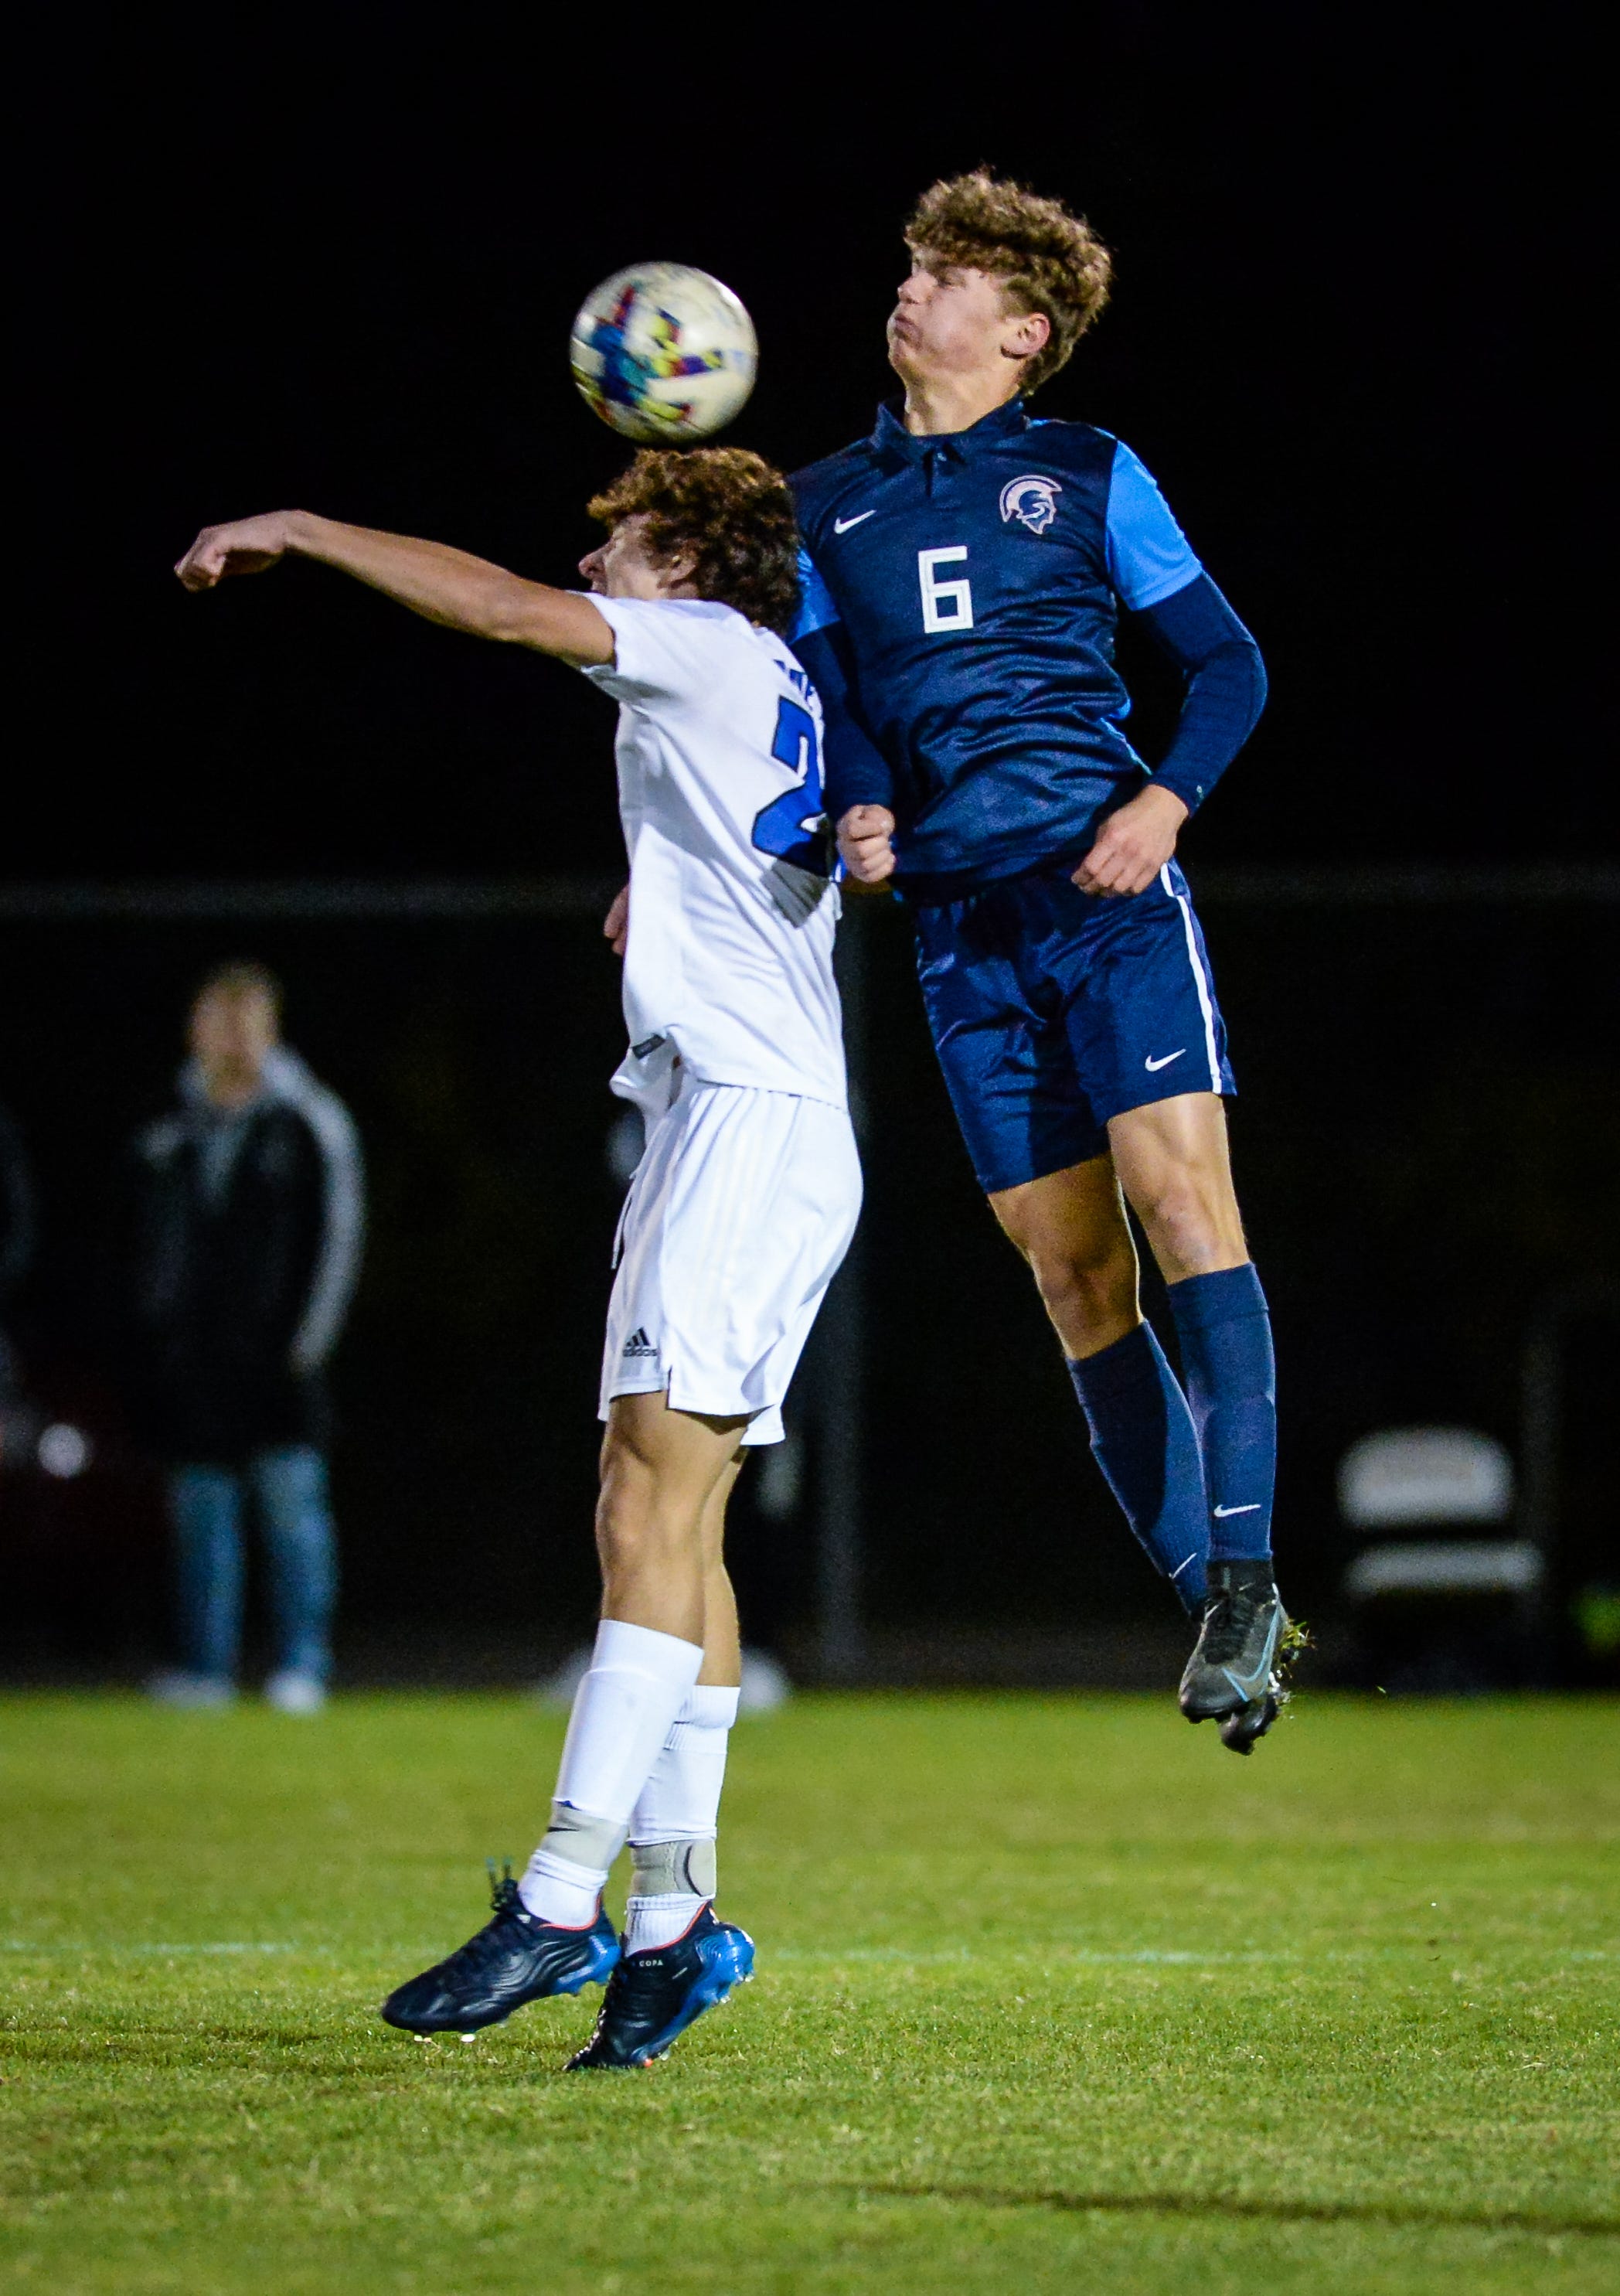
(741, 1209)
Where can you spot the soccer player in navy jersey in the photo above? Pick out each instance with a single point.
(964, 570)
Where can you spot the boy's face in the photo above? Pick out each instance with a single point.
(232, 1031)
(624, 567)
(951, 320)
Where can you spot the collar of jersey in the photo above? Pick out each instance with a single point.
(893, 439)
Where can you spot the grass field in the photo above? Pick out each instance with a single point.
(1053, 1994)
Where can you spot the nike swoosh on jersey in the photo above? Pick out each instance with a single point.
(1164, 1064)
(842, 525)
(1253, 1508)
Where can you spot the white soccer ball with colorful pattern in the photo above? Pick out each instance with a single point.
(664, 353)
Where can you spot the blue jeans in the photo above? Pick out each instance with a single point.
(290, 1497)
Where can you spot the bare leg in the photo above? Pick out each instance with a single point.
(661, 1472)
(1071, 1228)
(721, 1643)
(1173, 1163)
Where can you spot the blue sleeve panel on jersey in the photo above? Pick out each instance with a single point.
(1149, 557)
(854, 769)
(1226, 686)
(816, 610)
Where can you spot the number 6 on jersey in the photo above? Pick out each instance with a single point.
(945, 605)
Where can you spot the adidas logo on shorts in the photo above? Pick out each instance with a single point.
(639, 1344)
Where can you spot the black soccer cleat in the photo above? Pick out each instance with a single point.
(1240, 1730)
(1234, 1675)
(513, 1959)
(652, 1998)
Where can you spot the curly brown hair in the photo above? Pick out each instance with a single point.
(1046, 258)
(730, 509)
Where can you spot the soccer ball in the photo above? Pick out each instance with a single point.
(664, 353)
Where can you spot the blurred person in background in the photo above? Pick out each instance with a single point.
(250, 1223)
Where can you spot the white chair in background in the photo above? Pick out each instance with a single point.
(1450, 1491)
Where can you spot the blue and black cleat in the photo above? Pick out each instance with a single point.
(1236, 1675)
(515, 1958)
(652, 1998)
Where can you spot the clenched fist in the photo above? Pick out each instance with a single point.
(866, 843)
(247, 545)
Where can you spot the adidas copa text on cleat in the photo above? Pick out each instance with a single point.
(652, 1998)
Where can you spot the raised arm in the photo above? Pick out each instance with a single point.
(443, 585)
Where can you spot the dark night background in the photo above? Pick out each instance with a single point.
(336, 266)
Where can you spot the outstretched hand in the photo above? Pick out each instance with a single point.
(247, 545)
(866, 843)
(1133, 844)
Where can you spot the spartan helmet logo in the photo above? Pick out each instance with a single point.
(1032, 501)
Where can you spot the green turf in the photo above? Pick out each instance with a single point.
(1053, 1994)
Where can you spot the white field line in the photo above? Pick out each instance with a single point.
(960, 1957)
(21, 1944)
(878, 1953)
(965, 1955)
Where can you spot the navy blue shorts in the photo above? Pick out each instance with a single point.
(1053, 1009)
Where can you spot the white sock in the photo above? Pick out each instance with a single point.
(623, 1710)
(675, 1822)
(557, 1889)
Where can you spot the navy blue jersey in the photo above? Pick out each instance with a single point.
(960, 594)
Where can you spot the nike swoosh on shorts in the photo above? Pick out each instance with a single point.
(1175, 1056)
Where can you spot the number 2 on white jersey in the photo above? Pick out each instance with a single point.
(945, 605)
(793, 825)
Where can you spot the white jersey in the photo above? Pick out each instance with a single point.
(729, 962)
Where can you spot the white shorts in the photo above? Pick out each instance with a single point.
(739, 1214)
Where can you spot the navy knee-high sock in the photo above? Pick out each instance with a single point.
(1146, 1445)
(1230, 1376)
